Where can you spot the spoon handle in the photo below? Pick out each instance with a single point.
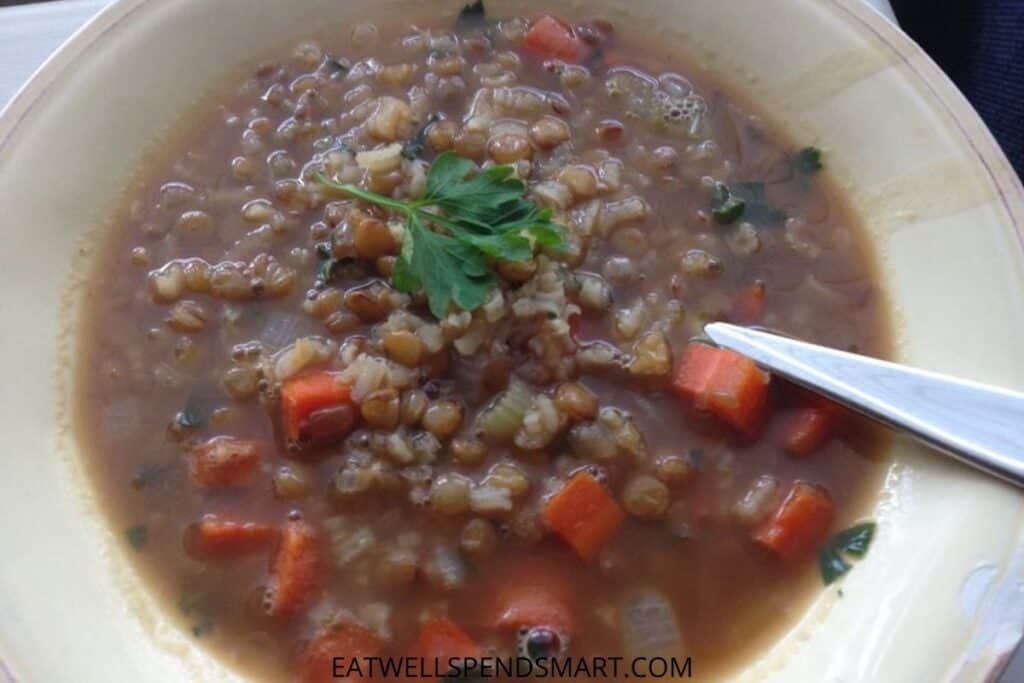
(980, 425)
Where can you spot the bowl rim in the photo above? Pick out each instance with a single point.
(61, 65)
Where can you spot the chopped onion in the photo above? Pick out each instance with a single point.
(279, 329)
(347, 544)
(649, 626)
(445, 569)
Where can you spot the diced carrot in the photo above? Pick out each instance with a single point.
(440, 643)
(296, 571)
(723, 383)
(811, 426)
(748, 306)
(212, 537)
(309, 393)
(801, 522)
(584, 514)
(224, 461)
(696, 371)
(531, 592)
(550, 38)
(351, 643)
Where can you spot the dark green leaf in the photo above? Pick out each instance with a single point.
(853, 542)
(832, 565)
(757, 208)
(856, 540)
(137, 536)
(808, 160)
(448, 270)
(471, 16)
(726, 208)
(413, 149)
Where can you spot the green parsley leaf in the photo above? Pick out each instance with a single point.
(808, 160)
(832, 565)
(447, 269)
(464, 220)
(853, 542)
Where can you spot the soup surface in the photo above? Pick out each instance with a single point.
(396, 357)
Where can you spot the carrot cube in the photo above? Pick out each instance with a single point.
(584, 514)
(800, 524)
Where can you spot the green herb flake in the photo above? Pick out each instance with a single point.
(465, 219)
(808, 160)
(726, 207)
(757, 207)
(852, 542)
(856, 540)
(414, 148)
(137, 536)
(832, 565)
(471, 16)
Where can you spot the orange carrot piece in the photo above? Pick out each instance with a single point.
(811, 427)
(296, 571)
(584, 514)
(440, 643)
(738, 393)
(223, 461)
(550, 38)
(213, 537)
(349, 642)
(723, 383)
(800, 523)
(748, 306)
(531, 592)
(304, 395)
(696, 370)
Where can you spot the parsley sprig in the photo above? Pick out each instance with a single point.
(852, 542)
(462, 223)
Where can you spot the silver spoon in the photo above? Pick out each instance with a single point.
(980, 425)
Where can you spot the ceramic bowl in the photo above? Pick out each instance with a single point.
(940, 595)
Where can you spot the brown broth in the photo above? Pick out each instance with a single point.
(730, 598)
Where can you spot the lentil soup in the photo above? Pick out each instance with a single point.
(399, 354)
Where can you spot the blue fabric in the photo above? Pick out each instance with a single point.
(980, 44)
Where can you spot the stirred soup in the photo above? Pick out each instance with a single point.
(399, 355)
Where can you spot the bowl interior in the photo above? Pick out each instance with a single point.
(939, 199)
